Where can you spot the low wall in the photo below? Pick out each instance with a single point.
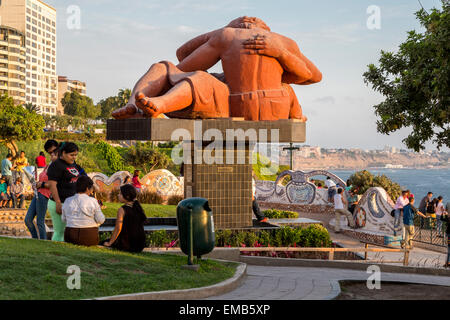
(12, 223)
(297, 207)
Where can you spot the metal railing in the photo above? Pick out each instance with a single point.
(426, 231)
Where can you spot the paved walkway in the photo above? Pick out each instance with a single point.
(297, 283)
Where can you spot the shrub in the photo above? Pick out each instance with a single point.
(161, 238)
(364, 180)
(149, 197)
(314, 236)
(280, 214)
(175, 199)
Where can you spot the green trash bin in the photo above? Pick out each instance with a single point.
(195, 227)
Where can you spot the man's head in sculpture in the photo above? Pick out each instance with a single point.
(248, 23)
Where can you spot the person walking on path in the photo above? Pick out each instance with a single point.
(82, 215)
(339, 209)
(399, 204)
(38, 206)
(445, 218)
(128, 234)
(255, 206)
(136, 181)
(409, 211)
(7, 168)
(62, 178)
(17, 195)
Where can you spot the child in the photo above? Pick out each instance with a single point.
(128, 234)
(82, 215)
(4, 192)
(136, 181)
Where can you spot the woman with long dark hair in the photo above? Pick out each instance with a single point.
(128, 234)
(62, 177)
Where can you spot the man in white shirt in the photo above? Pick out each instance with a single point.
(440, 210)
(399, 204)
(331, 188)
(339, 208)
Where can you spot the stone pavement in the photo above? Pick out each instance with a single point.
(298, 283)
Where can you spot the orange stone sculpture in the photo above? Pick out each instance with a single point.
(258, 68)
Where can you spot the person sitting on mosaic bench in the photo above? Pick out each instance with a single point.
(82, 215)
(255, 206)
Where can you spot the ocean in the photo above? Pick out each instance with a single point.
(419, 181)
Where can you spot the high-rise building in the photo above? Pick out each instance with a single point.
(12, 64)
(67, 85)
(37, 21)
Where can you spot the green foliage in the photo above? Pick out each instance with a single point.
(161, 238)
(81, 106)
(280, 214)
(149, 197)
(18, 123)
(264, 169)
(312, 236)
(147, 157)
(415, 83)
(108, 105)
(364, 180)
(114, 159)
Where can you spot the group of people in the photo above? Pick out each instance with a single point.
(12, 181)
(66, 192)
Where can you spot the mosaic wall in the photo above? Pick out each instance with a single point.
(299, 190)
(162, 182)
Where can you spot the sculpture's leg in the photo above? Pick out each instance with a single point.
(151, 84)
(177, 98)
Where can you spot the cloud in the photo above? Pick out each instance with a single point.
(325, 100)
(186, 29)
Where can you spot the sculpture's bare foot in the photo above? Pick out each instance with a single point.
(148, 105)
(129, 111)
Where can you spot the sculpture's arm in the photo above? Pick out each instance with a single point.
(298, 69)
(186, 49)
(205, 56)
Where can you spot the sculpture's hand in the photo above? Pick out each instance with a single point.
(263, 45)
(125, 112)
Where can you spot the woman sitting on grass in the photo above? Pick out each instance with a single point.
(82, 215)
(128, 234)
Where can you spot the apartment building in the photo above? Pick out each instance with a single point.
(12, 64)
(67, 85)
(37, 21)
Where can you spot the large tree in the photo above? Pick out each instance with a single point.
(147, 157)
(18, 124)
(78, 105)
(415, 82)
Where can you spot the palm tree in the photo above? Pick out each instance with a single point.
(123, 96)
(31, 107)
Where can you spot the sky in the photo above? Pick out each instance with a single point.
(117, 41)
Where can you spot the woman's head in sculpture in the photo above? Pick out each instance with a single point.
(248, 23)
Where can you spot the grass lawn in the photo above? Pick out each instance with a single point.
(33, 269)
(151, 210)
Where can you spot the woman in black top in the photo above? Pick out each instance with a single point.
(62, 177)
(128, 234)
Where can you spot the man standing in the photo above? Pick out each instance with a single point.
(331, 188)
(339, 209)
(408, 223)
(7, 166)
(17, 193)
